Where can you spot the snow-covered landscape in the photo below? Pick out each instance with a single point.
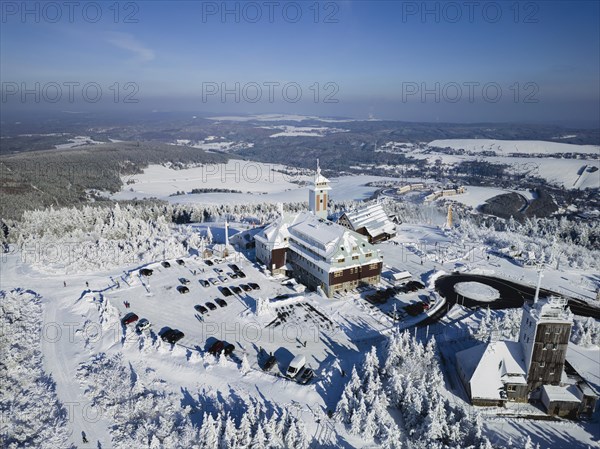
(300, 225)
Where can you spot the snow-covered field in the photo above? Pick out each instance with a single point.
(303, 131)
(477, 291)
(259, 183)
(521, 147)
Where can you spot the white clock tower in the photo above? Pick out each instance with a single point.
(318, 196)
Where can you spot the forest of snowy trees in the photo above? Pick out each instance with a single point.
(32, 416)
(411, 382)
(144, 413)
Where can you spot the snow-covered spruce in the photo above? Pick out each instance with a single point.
(32, 414)
(411, 381)
(145, 413)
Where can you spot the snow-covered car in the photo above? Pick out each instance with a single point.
(241, 274)
(180, 262)
(129, 318)
(218, 270)
(183, 289)
(204, 283)
(222, 278)
(143, 325)
(221, 302)
(232, 275)
(165, 264)
(295, 366)
(184, 281)
(254, 285)
(213, 281)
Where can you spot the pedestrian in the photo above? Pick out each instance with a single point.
(65, 283)
(87, 284)
(84, 437)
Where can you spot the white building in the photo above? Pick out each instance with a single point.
(316, 251)
(371, 221)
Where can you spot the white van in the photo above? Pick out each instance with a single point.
(295, 366)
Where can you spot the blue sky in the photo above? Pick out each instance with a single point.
(375, 53)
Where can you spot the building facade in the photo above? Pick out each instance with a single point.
(318, 252)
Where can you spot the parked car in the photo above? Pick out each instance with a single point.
(218, 270)
(146, 272)
(295, 366)
(183, 289)
(236, 290)
(241, 274)
(234, 267)
(225, 291)
(129, 318)
(254, 285)
(180, 262)
(305, 376)
(216, 347)
(214, 281)
(246, 287)
(172, 336)
(269, 363)
(201, 309)
(142, 325)
(165, 264)
(204, 283)
(222, 278)
(184, 281)
(209, 262)
(211, 306)
(221, 302)
(232, 275)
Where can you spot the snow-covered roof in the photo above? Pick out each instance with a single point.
(551, 310)
(570, 393)
(373, 218)
(489, 366)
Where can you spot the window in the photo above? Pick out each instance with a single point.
(369, 255)
(355, 248)
(542, 364)
(341, 260)
(373, 266)
(354, 257)
(338, 274)
(554, 346)
(511, 388)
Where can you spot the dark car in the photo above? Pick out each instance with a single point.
(234, 267)
(129, 318)
(172, 336)
(201, 309)
(180, 262)
(183, 289)
(241, 274)
(208, 262)
(305, 376)
(269, 363)
(245, 287)
(146, 272)
(254, 285)
(184, 281)
(211, 306)
(217, 347)
(221, 302)
(204, 283)
(166, 264)
(232, 275)
(225, 291)
(236, 290)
